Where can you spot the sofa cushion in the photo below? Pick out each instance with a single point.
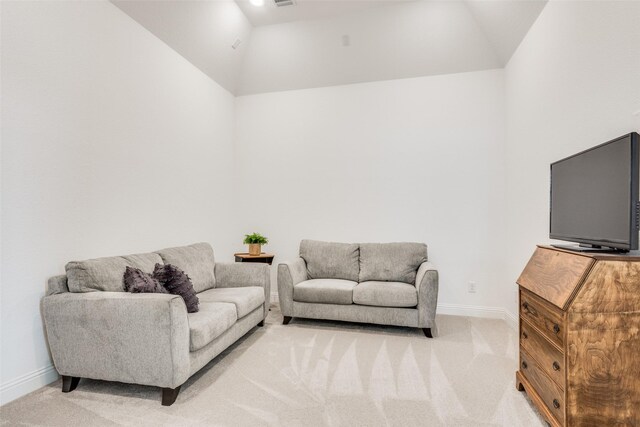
(209, 323)
(137, 281)
(196, 260)
(385, 294)
(106, 274)
(177, 282)
(324, 291)
(245, 299)
(391, 262)
(328, 260)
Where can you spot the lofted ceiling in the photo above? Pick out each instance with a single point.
(315, 43)
(201, 31)
(305, 10)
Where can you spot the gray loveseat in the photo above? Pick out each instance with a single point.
(96, 330)
(382, 283)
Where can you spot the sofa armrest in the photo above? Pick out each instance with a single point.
(289, 275)
(57, 285)
(427, 286)
(119, 336)
(236, 275)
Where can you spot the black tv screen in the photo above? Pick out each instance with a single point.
(594, 196)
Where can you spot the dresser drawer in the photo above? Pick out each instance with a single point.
(543, 316)
(547, 356)
(549, 392)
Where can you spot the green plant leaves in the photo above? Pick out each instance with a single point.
(255, 238)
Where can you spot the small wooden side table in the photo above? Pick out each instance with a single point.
(263, 257)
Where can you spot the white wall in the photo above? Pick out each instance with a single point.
(573, 83)
(406, 160)
(112, 143)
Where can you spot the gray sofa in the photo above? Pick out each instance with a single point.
(96, 330)
(382, 283)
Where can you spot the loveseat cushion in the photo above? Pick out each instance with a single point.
(328, 260)
(245, 299)
(106, 274)
(325, 291)
(196, 260)
(391, 262)
(209, 323)
(385, 294)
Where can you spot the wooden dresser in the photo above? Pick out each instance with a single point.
(580, 337)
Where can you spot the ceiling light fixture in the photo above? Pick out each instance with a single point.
(257, 2)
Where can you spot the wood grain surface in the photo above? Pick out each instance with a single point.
(580, 337)
(522, 384)
(633, 256)
(603, 365)
(246, 255)
(550, 393)
(612, 286)
(548, 356)
(555, 275)
(544, 316)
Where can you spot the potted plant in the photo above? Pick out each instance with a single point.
(255, 242)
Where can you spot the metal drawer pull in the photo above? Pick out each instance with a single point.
(556, 328)
(556, 366)
(556, 404)
(529, 309)
(524, 365)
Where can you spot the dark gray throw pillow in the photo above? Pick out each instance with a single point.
(177, 282)
(138, 282)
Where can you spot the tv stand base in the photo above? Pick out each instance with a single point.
(591, 249)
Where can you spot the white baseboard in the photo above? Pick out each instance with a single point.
(471, 311)
(478, 311)
(463, 310)
(27, 383)
(511, 319)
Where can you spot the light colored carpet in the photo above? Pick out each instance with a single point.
(317, 373)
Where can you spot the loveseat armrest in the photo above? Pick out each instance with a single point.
(237, 275)
(119, 336)
(289, 274)
(57, 285)
(427, 286)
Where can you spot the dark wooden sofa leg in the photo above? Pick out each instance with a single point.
(69, 383)
(261, 323)
(286, 320)
(427, 332)
(169, 395)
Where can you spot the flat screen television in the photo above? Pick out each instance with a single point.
(594, 197)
